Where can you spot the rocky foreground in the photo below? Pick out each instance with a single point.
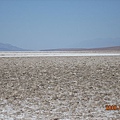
(59, 88)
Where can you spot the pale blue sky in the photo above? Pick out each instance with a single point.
(49, 24)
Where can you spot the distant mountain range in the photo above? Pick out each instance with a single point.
(9, 47)
(115, 48)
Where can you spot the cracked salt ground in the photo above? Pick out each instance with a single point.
(59, 88)
(29, 111)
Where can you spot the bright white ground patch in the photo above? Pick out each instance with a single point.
(38, 54)
(31, 111)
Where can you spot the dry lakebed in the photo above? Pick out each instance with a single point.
(60, 88)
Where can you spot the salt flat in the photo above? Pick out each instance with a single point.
(57, 53)
(59, 88)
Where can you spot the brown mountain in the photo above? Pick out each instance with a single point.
(117, 48)
(114, 48)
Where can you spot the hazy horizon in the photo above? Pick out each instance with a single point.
(50, 24)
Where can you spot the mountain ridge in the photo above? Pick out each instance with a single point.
(9, 47)
(117, 48)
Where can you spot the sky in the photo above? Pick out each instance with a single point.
(52, 24)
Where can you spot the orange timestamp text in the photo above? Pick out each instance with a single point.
(112, 107)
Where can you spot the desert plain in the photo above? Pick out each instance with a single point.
(59, 87)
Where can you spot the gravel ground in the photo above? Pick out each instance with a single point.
(59, 88)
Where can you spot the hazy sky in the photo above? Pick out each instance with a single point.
(46, 24)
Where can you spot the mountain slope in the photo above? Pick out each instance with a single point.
(116, 48)
(9, 47)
